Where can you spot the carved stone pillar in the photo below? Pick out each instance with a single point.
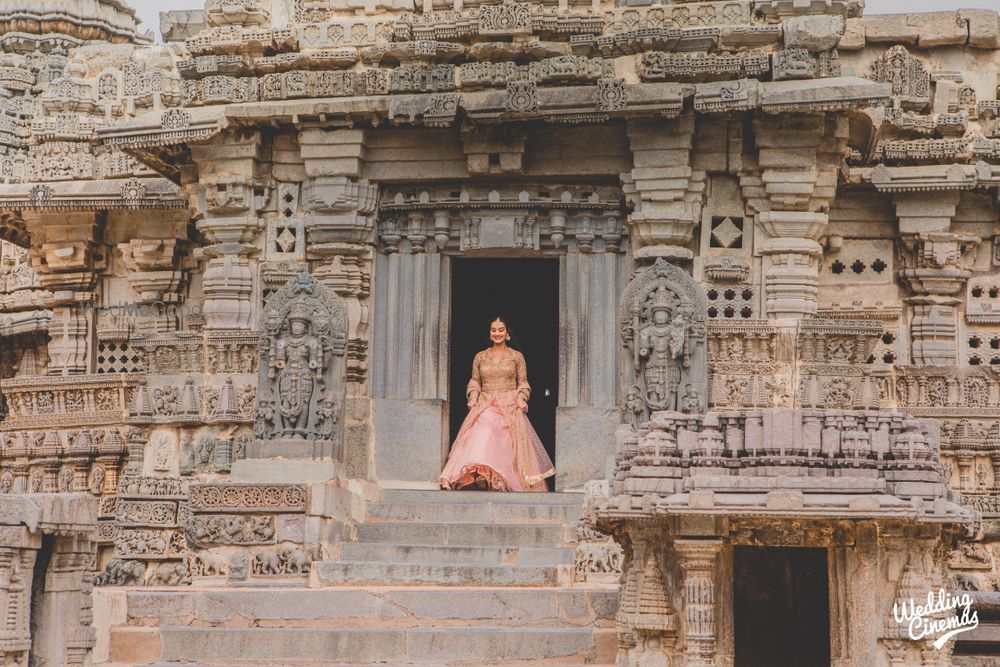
(65, 255)
(790, 188)
(667, 192)
(154, 256)
(698, 567)
(339, 222)
(936, 265)
(231, 193)
(995, 463)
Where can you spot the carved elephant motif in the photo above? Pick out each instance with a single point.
(296, 560)
(267, 562)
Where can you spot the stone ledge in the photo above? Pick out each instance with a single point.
(978, 28)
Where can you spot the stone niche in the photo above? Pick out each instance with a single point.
(47, 557)
(663, 327)
(301, 395)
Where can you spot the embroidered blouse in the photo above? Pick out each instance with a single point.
(494, 373)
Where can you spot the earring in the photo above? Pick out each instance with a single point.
(508, 337)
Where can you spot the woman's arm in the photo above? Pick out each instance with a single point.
(523, 388)
(476, 382)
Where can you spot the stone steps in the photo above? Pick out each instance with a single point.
(399, 605)
(432, 578)
(409, 496)
(466, 534)
(467, 555)
(333, 573)
(365, 645)
(464, 512)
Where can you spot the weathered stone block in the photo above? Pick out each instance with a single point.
(582, 434)
(890, 28)
(411, 439)
(939, 28)
(813, 33)
(984, 27)
(854, 35)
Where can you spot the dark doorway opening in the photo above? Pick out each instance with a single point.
(38, 613)
(527, 292)
(781, 606)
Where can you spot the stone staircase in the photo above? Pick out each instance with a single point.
(434, 578)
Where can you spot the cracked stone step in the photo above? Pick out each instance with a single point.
(436, 497)
(473, 512)
(472, 645)
(425, 553)
(466, 534)
(333, 573)
(497, 606)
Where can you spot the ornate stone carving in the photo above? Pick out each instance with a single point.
(284, 561)
(211, 530)
(522, 97)
(247, 498)
(305, 328)
(908, 77)
(663, 327)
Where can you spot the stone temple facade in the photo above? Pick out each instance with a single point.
(751, 250)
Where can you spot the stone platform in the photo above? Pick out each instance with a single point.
(431, 578)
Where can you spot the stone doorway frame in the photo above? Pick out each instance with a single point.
(582, 226)
(534, 341)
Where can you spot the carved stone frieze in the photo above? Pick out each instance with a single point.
(282, 498)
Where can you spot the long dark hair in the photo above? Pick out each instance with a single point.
(512, 343)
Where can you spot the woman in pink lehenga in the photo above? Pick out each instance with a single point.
(496, 447)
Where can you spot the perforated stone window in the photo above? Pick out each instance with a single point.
(885, 349)
(733, 302)
(983, 349)
(117, 357)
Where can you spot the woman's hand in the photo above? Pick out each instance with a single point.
(473, 401)
(522, 404)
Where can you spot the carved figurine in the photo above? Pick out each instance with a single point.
(305, 330)
(297, 363)
(691, 401)
(663, 351)
(634, 408)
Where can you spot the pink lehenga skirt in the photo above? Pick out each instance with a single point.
(497, 447)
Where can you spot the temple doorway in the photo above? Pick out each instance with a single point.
(526, 291)
(781, 606)
(41, 614)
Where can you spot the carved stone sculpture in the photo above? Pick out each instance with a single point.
(663, 327)
(305, 331)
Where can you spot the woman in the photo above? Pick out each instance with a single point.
(496, 447)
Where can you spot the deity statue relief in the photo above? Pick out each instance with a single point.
(305, 330)
(662, 347)
(663, 328)
(296, 361)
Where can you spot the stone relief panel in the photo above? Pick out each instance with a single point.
(301, 379)
(662, 324)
